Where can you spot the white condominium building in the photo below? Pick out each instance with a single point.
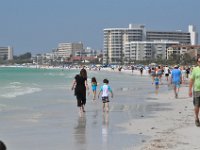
(193, 34)
(146, 50)
(115, 39)
(181, 37)
(6, 53)
(66, 50)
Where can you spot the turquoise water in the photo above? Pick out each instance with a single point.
(38, 107)
(22, 81)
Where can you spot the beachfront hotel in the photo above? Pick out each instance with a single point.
(6, 53)
(146, 50)
(66, 50)
(137, 43)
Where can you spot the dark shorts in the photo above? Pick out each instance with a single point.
(166, 74)
(196, 99)
(105, 99)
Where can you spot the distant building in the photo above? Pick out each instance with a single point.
(115, 39)
(66, 50)
(87, 55)
(146, 50)
(89, 52)
(6, 53)
(192, 50)
(181, 37)
(193, 35)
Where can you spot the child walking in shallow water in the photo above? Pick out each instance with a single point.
(94, 87)
(105, 89)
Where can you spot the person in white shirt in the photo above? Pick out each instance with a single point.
(166, 72)
(105, 89)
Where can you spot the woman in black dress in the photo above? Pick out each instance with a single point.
(80, 85)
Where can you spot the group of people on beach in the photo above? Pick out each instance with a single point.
(80, 85)
(177, 77)
(177, 74)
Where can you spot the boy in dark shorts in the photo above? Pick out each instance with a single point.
(105, 89)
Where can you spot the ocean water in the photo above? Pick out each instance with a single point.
(38, 110)
(22, 81)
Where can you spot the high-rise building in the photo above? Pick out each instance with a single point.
(146, 50)
(66, 50)
(181, 37)
(193, 35)
(6, 53)
(115, 39)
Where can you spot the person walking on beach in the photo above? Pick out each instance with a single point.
(105, 89)
(176, 79)
(195, 83)
(132, 68)
(80, 85)
(166, 72)
(153, 74)
(159, 73)
(156, 83)
(94, 87)
(183, 71)
(187, 72)
(141, 71)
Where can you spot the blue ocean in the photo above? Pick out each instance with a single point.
(38, 110)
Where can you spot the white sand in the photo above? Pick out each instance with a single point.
(172, 128)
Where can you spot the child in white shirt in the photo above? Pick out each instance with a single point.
(105, 89)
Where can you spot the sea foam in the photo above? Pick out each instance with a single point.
(12, 93)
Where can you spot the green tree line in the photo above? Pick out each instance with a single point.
(23, 58)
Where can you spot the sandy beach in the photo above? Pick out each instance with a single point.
(171, 128)
(48, 118)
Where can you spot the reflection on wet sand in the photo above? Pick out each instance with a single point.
(95, 118)
(105, 132)
(80, 131)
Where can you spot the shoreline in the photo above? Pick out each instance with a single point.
(170, 128)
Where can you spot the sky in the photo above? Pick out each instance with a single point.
(38, 26)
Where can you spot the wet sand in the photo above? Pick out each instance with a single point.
(172, 128)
